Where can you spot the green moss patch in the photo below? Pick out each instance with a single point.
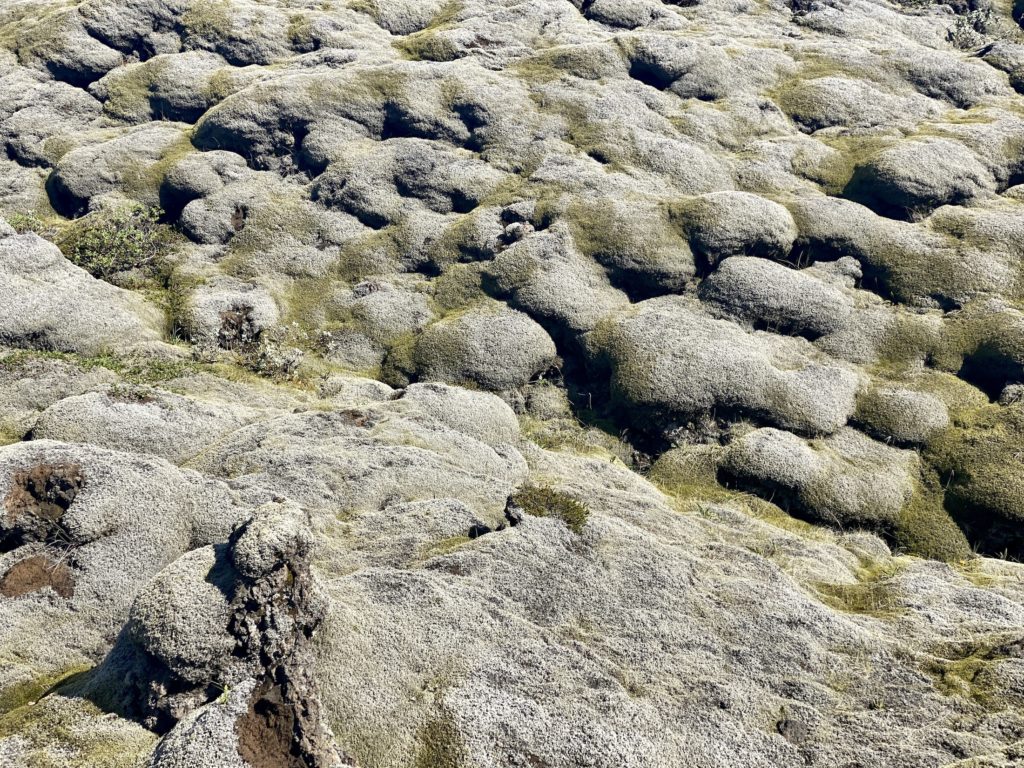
(925, 528)
(963, 669)
(61, 732)
(572, 436)
(445, 546)
(439, 744)
(138, 371)
(30, 691)
(427, 45)
(210, 19)
(873, 594)
(979, 460)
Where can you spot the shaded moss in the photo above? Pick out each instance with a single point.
(35, 31)
(439, 744)
(301, 33)
(399, 368)
(978, 459)
(545, 501)
(220, 85)
(907, 342)
(985, 346)
(461, 242)
(375, 253)
(690, 474)
(639, 243)
(925, 528)
(597, 139)
(30, 691)
(852, 151)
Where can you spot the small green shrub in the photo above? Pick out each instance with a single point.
(545, 501)
(116, 240)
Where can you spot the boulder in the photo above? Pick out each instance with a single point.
(903, 416)
(670, 360)
(227, 313)
(776, 297)
(919, 175)
(490, 347)
(827, 102)
(140, 420)
(723, 224)
(547, 277)
(127, 164)
(846, 479)
(635, 242)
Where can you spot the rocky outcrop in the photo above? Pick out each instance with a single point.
(217, 651)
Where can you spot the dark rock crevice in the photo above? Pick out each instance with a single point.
(263, 689)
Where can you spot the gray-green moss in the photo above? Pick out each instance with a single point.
(210, 19)
(965, 669)
(570, 435)
(143, 181)
(129, 91)
(689, 473)
(400, 365)
(460, 286)
(139, 371)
